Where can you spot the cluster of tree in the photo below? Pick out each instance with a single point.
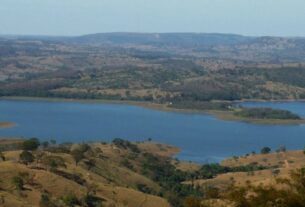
(124, 144)
(169, 178)
(71, 200)
(266, 113)
(291, 195)
(208, 171)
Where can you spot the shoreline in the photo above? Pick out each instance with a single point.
(219, 114)
(4, 125)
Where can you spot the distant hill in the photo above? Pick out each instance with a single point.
(165, 39)
(165, 67)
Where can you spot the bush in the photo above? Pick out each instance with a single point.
(2, 156)
(265, 150)
(45, 201)
(17, 181)
(53, 162)
(93, 201)
(26, 157)
(266, 113)
(31, 144)
(77, 155)
(124, 144)
(70, 200)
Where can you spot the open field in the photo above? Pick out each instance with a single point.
(283, 162)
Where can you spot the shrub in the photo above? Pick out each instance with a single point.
(26, 157)
(31, 144)
(17, 181)
(45, 201)
(2, 156)
(92, 201)
(265, 150)
(53, 162)
(77, 155)
(70, 200)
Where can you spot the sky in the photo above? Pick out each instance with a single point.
(78, 17)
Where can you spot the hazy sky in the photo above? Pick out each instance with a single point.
(75, 17)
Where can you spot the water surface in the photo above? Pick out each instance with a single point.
(202, 138)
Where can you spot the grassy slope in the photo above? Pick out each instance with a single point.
(285, 162)
(114, 183)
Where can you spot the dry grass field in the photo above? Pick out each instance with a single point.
(114, 183)
(283, 163)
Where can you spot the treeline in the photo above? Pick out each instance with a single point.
(266, 113)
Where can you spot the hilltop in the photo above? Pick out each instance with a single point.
(144, 174)
(175, 70)
(97, 174)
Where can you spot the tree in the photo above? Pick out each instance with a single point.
(53, 162)
(265, 150)
(17, 181)
(2, 156)
(26, 157)
(77, 155)
(92, 201)
(45, 201)
(70, 200)
(30, 144)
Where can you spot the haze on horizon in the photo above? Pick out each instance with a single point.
(77, 17)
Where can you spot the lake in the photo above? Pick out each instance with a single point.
(202, 138)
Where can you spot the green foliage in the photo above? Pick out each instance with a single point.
(124, 144)
(93, 201)
(70, 200)
(266, 113)
(265, 150)
(45, 201)
(163, 172)
(292, 195)
(18, 182)
(77, 155)
(2, 157)
(26, 157)
(53, 162)
(208, 171)
(126, 163)
(31, 144)
(144, 188)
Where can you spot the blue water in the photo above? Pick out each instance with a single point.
(202, 138)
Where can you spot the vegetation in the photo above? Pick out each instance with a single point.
(265, 150)
(2, 157)
(26, 157)
(31, 144)
(290, 196)
(126, 165)
(266, 113)
(186, 71)
(18, 182)
(208, 171)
